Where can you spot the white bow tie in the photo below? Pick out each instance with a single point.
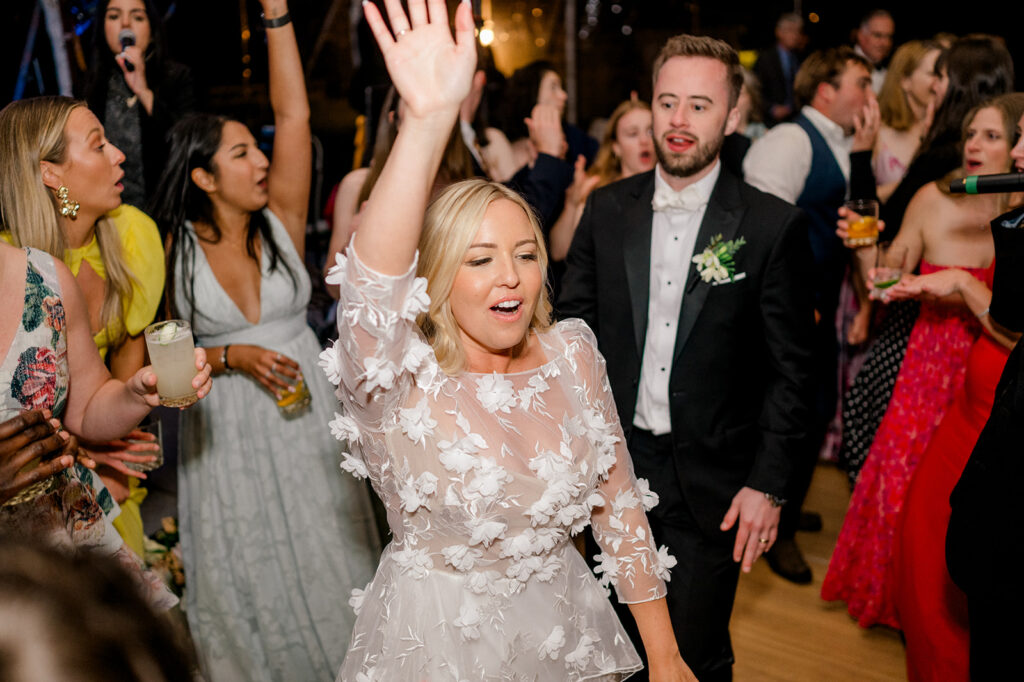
(670, 201)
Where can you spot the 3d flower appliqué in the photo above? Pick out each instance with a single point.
(717, 262)
(495, 393)
(553, 644)
(416, 422)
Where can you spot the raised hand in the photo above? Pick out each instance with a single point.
(866, 125)
(545, 126)
(431, 72)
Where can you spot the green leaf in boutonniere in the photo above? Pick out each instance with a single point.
(716, 263)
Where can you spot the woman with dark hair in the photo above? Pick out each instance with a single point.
(273, 536)
(974, 69)
(135, 91)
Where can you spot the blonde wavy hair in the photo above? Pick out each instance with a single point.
(32, 131)
(451, 223)
(607, 164)
(892, 100)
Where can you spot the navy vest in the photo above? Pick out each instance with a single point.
(823, 194)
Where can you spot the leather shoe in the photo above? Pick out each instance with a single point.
(786, 560)
(809, 522)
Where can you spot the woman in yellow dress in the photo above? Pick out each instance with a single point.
(62, 195)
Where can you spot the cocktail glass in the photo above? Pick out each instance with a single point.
(172, 354)
(863, 230)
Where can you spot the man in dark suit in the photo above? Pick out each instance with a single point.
(776, 68)
(708, 362)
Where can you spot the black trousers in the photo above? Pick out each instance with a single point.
(703, 584)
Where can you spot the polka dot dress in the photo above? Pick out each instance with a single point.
(864, 405)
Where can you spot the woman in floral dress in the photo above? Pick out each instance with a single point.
(47, 342)
(490, 435)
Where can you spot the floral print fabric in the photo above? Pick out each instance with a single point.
(34, 375)
(485, 477)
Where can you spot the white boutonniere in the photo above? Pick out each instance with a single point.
(716, 263)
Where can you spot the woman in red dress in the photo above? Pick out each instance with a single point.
(950, 237)
(932, 610)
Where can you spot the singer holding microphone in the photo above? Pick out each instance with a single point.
(135, 91)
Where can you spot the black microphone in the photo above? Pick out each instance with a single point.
(127, 37)
(988, 184)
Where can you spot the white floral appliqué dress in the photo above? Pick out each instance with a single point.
(485, 477)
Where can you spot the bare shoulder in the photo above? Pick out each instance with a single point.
(927, 203)
(353, 181)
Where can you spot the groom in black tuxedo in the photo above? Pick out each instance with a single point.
(708, 362)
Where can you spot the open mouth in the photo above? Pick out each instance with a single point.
(510, 308)
(646, 157)
(972, 166)
(679, 143)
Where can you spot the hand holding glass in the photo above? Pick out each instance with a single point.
(172, 354)
(890, 260)
(863, 231)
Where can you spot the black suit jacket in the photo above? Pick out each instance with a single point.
(768, 70)
(739, 386)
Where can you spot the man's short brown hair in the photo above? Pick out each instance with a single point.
(704, 46)
(824, 66)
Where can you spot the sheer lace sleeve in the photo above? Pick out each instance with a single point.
(628, 558)
(380, 352)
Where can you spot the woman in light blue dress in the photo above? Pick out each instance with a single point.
(274, 534)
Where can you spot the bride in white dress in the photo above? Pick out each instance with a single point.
(490, 434)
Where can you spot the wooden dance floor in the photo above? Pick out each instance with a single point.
(785, 633)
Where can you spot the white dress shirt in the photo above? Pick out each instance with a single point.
(673, 238)
(878, 73)
(780, 161)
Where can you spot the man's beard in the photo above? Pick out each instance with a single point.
(680, 166)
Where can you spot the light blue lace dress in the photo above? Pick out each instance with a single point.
(274, 534)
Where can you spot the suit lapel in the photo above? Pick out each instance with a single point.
(721, 217)
(636, 246)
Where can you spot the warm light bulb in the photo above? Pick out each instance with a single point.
(486, 36)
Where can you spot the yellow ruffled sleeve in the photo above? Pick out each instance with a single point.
(144, 255)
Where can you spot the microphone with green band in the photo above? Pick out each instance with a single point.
(988, 184)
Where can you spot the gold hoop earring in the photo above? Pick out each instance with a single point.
(68, 207)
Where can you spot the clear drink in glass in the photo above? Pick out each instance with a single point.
(172, 354)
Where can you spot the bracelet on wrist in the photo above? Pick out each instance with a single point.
(276, 22)
(224, 357)
(984, 312)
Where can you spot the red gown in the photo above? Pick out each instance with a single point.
(932, 610)
(930, 377)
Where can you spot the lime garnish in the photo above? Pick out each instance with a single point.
(167, 333)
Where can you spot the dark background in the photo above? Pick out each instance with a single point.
(613, 56)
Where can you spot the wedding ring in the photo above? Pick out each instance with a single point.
(763, 541)
(401, 33)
